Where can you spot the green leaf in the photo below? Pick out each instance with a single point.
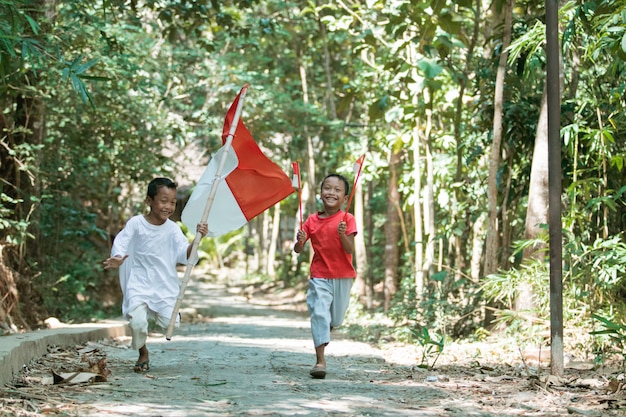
(84, 67)
(609, 324)
(439, 276)
(94, 78)
(431, 69)
(378, 108)
(34, 26)
(76, 62)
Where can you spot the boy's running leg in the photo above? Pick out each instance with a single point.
(341, 300)
(319, 300)
(138, 322)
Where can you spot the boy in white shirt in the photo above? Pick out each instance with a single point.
(147, 251)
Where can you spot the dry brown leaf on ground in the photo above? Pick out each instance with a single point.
(73, 378)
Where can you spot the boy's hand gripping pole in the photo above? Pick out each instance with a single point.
(205, 215)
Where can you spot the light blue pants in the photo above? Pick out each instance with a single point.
(327, 301)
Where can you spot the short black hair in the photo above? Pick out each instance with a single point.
(341, 178)
(157, 183)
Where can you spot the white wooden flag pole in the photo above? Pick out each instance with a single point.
(205, 215)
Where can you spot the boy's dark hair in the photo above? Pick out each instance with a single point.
(157, 183)
(341, 177)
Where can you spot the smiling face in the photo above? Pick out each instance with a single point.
(333, 194)
(162, 205)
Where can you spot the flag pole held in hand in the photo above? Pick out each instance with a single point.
(205, 215)
(238, 184)
(357, 172)
(296, 182)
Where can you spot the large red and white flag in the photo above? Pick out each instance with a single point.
(248, 185)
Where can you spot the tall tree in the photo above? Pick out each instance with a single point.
(492, 240)
(392, 227)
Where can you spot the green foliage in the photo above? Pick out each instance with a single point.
(432, 346)
(15, 230)
(616, 334)
(597, 271)
(221, 251)
(76, 71)
(593, 280)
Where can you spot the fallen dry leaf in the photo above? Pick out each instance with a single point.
(73, 378)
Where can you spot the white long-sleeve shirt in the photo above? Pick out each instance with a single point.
(149, 274)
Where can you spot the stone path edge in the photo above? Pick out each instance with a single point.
(18, 350)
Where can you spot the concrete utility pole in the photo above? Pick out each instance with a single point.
(554, 179)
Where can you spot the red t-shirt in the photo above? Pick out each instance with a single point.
(330, 260)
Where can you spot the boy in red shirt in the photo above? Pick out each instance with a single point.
(332, 234)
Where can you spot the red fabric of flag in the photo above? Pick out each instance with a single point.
(257, 183)
(245, 182)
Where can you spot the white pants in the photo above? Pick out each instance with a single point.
(327, 301)
(138, 322)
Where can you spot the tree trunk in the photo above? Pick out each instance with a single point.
(537, 210)
(429, 204)
(332, 112)
(359, 244)
(421, 213)
(492, 240)
(392, 230)
(257, 236)
(271, 250)
(506, 237)
(369, 276)
(492, 243)
(458, 251)
(417, 212)
(478, 233)
(603, 219)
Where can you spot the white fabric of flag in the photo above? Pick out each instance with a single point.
(223, 202)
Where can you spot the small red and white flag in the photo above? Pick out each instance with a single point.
(356, 167)
(295, 180)
(248, 185)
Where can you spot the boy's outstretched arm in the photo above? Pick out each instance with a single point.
(114, 262)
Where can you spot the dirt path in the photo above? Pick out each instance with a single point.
(232, 358)
(253, 361)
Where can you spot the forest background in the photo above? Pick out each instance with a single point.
(445, 98)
